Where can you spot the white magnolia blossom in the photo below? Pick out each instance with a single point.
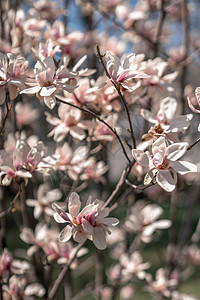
(164, 163)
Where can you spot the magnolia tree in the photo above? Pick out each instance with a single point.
(99, 162)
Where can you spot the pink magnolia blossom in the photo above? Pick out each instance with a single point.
(71, 161)
(47, 10)
(133, 265)
(12, 75)
(33, 27)
(166, 122)
(144, 220)
(89, 223)
(46, 49)
(39, 238)
(25, 114)
(69, 121)
(164, 162)
(92, 170)
(6, 260)
(158, 83)
(62, 252)
(18, 289)
(122, 72)
(45, 197)
(23, 161)
(162, 285)
(48, 81)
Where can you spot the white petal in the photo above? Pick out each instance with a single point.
(147, 115)
(110, 221)
(65, 234)
(74, 204)
(176, 150)
(183, 167)
(165, 180)
(99, 238)
(50, 101)
(32, 90)
(35, 289)
(47, 90)
(141, 157)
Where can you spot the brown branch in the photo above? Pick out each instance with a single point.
(186, 44)
(120, 183)
(12, 205)
(8, 109)
(62, 100)
(100, 57)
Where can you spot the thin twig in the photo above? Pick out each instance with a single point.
(100, 56)
(8, 109)
(120, 183)
(12, 205)
(62, 100)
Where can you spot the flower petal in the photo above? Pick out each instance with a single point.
(99, 238)
(141, 157)
(183, 167)
(65, 234)
(165, 180)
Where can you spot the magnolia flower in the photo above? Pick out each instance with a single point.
(23, 161)
(92, 170)
(48, 81)
(166, 122)
(69, 121)
(62, 252)
(45, 197)
(89, 223)
(164, 162)
(25, 114)
(162, 285)
(47, 10)
(39, 238)
(17, 289)
(143, 220)
(12, 75)
(71, 161)
(123, 72)
(133, 265)
(6, 260)
(46, 49)
(157, 82)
